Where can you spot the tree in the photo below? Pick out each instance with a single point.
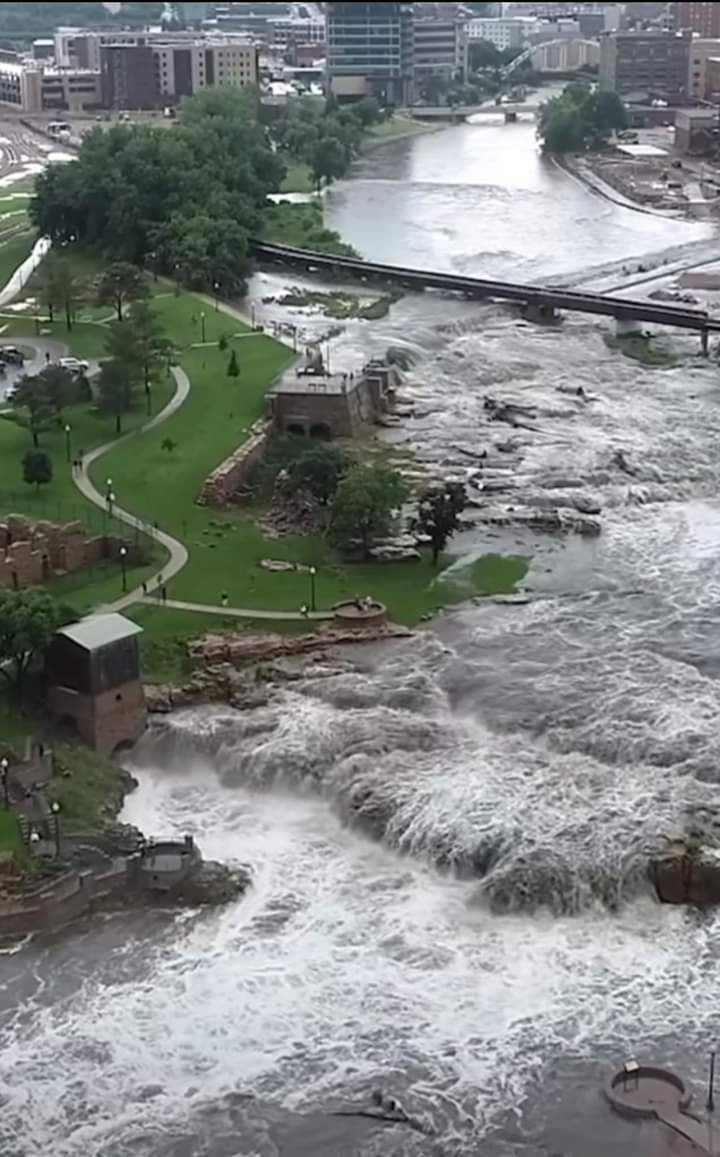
(28, 620)
(233, 370)
(51, 287)
(30, 394)
(364, 501)
(60, 387)
(66, 288)
(37, 468)
(120, 283)
(579, 119)
(330, 160)
(169, 445)
(438, 515)
(368, 111)
(151, 349)
(115, 390)
(222, 343)
(319, 470)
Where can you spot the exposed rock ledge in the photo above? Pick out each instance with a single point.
(687, 873)
(236, 669)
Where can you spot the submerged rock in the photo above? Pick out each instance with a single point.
(686, 874)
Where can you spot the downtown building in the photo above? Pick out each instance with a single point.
(160, 72)
(702, 18)
(645, 66)
(370, 51)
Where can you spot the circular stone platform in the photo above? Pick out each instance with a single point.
(647, 1092)
(360, 613)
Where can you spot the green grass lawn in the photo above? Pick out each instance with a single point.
(10, 840)
(162, 486)
(13, 252)
(298, 178)
(642, 349)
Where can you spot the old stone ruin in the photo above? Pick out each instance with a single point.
(32, 552)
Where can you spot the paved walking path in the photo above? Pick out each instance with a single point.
(237, 612)
(177, 551)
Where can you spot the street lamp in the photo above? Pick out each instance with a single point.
(313, 572)
(108, 486)
(123, 564)
(110, 500)
(4, 776)
(216, 290)
(55, 809)
(67, 442)
(202, 325)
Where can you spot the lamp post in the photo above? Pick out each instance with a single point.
(4, 775)
(313, 572)
(216, 291)
(68, 430)
(55, 809)
(110, 500)
(710, 1103)
(108, 486)
(123, 564)
(252, 315)
(202, 325)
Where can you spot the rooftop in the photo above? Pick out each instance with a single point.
(333, 384)
(99, 630)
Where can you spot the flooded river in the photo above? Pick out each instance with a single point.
(482, 944)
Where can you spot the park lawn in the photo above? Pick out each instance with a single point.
(85, 340)
(298, 178)
(13, 252)
(10, 839)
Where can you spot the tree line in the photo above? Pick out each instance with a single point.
(322, 134)
(182, 201)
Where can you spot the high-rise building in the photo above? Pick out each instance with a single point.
(645, 65)
(700, 17)
(439, 48)
(127, 76)
(164, 70)
(370, 51)
(702, 50)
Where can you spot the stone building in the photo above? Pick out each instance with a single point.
(31, 552)
(94, 683)
(322, 405)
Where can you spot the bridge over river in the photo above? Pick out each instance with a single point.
(539, 302)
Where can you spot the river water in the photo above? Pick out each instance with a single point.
(481, 942)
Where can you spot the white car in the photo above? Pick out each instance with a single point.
(74, 365)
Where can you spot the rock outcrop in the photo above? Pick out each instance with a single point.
(243, 649)
(212, 883)
(687, 874)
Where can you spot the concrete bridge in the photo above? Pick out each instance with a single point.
(538, 302)
(461, 112)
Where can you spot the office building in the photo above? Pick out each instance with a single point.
(703, 18)
(370, 51)
(503, 31)
(701, 52)
(32, 88)
(162, 72)
(127, 75)
(643, 66)
(439, 48)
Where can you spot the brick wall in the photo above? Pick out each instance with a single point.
(31, 552)
(103, 721)
(230, 475)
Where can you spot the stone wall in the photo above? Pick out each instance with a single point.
(230, 475)
(102, 721)
(32, 552)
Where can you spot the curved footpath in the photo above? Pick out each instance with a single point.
(176, 550)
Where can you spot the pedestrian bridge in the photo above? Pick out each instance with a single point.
(459, 112)
(540, 302)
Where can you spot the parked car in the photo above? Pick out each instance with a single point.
(11, 354)
(74, 365)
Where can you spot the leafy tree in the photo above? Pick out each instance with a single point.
(30, 394)
(233, 370)
(368, 111)
(65, 288)
(28, 620)
(320, 470)
(579, 119)
(60, 387)
(364, 501)
(115, 390)
(51, 290)
(330, 160)
(37, 468)
(120, 283)
(438, 515)
(222, 343)
(484, 54)
(152, 350)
